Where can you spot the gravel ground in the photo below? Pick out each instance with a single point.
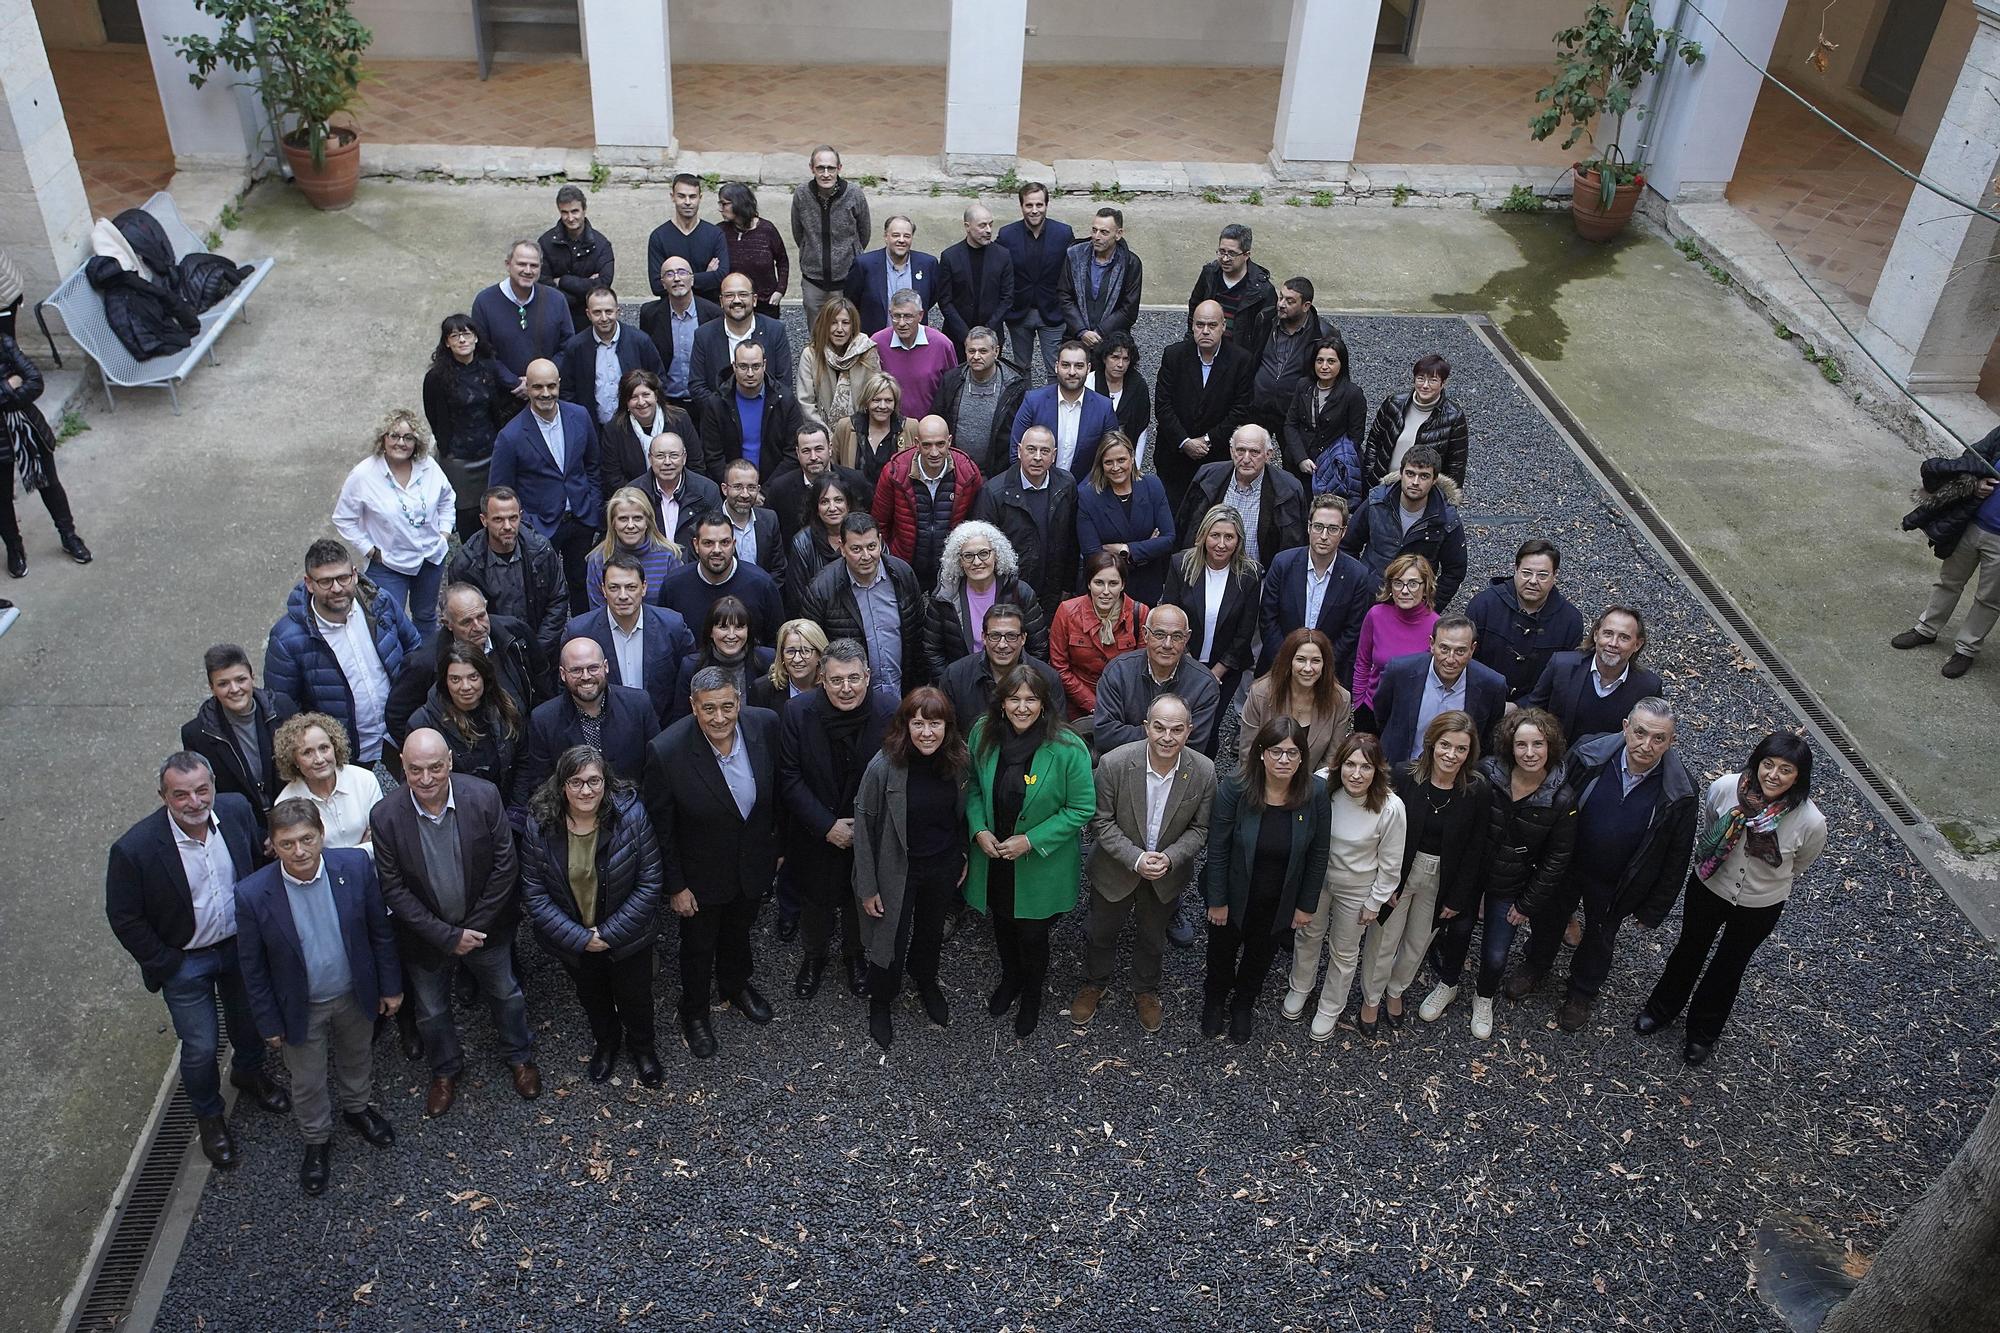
(1107, 1179)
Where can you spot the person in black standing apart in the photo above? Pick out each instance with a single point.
(466, 402)
(829, 737)
(1267, 849)
(909, 854)
(28, 450)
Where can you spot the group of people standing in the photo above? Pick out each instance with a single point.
(618, 631)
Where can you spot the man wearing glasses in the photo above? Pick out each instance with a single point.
(1161, 666)
(829, 228)
(1317, 586)
(1241, 286)
(970, 681)
(616, 720)
(1523, 619)
(339, 646)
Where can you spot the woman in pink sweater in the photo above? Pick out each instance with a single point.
(1399, 623)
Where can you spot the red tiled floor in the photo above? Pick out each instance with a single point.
(116, 126)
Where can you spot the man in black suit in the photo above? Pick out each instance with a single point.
(785, 494)
(232, 731)
(516, 656)
(595, 360)
(445, 857)
(1201, 396)
(715, 344)
(170, 894)
(754, 416)
(829, 736)
(1592, 691)
(590, 711)
(711, 787)
(1034, 504)
(1416, 688)
(671, 322)
(759, 538)
(979, 279)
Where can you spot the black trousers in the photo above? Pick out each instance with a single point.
(1592, 961)
(573, 540)
(1240, 954)
(1713, 987)
(54, 498)
(616, 995)
(1023, 944)
(715, 948)
(826, 893)
(928, 895)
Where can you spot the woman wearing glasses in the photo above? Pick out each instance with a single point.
(1398, 624)
(795, 669)
(977, 570)
(397, 508)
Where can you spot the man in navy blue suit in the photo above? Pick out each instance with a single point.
(1318, 586)
(1076, 416)
(613, 719)
(1039, 246)
(594, 361)
(643, 645)
(878, 275)
(1416, 688)
(548, 455)
(319, 963)
(713, 356)
(170, 894)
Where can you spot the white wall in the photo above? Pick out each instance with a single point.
(1495, 32)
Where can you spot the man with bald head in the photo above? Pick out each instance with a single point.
(1153, 800)
(979, 279)
(617, 720)
(548, 457)
(681, 495)
(1271, 500)
(1202, 395)
(520, 319)
(1160, 665)
(444, 854)
(922, 495)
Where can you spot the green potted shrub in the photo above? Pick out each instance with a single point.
(304, 59)
(1600, 64)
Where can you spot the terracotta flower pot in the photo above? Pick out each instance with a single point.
(1595, 222)
(330, 186)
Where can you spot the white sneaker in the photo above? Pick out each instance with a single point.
(1322, 1026)
(1295, 1004)
(1436, 1002)
(1482, 1018)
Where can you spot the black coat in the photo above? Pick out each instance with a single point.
(656, 321)
(1350, 592)
(1280, 519)
(829, 603)
(1376, 535)
(517, 659)
(486, 858)
(146, 893)
(1530, 841)
(991, 453)
(209, 735)
(1565, 685)
(1518, 643)
(1134, 406)
(546, 607)
(575, 265)
(710, 848)
(809, 780)
(785, 496)
(1950, 494)
(1256, 306)
(577, 365)
(1399, 699)
(1660, 865)
(722, 434)
(622, 461)
(948, 625)
(1189, 409)
(1077, 306)
(698, 496)
(1307, 433)
(1468, 826)
(466, 406)
(629, 724)
(1046, 553)
(805, 556)
(629, 893)
(965, 308)
(1235, 624)
(145, 316)
(1445, 430)
(492, 757)
(969, 684)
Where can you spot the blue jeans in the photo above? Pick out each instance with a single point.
(1494, 942)
(416, 593)
(1023, 333)
(190, 995)
(492, 966)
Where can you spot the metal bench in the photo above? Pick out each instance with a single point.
(82, 311)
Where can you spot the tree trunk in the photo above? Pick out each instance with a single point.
(1939, 1269)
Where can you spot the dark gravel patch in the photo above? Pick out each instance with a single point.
(1107, 1179)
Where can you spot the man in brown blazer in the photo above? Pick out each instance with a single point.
(1153, 799)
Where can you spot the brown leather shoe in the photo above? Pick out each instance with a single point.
(1084, 1007)
(527, 1080)
(444, 1091)
(1151, 1013)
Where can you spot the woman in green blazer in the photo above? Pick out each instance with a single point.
(1267, 846)
(1030, 797)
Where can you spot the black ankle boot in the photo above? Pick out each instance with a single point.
(17, 560)
(74, 548)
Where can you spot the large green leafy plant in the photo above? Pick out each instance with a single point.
(304, 57)
(1600, 64)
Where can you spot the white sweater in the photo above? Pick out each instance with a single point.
(1748, 881)
(1367, 846)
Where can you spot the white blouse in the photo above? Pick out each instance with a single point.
(410, 525)
(345, 813)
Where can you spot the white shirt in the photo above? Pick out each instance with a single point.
(734, 339)
(1158, 788)
(450, 804)
(630, 650)
(552, 435)
(345, 813)
(211, 877)
(409, 525)
(1214, 583)
(362, 666)
(1412, 423)
(1069, 420)
(921, 340)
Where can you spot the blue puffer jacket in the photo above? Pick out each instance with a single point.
(298, 660)
(628, 883)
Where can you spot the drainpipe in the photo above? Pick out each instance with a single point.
(1661, 86)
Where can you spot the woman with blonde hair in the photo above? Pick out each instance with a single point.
(397, 508)
(836, 363)
(632, 527)
(794, 668)
(1219, 587)
(876, 431)
(313, 760)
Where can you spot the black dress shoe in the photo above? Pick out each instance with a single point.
(788, 927)
(810, 971)
(1695, 1052)
(1003, 998)
(700, 1037)
(602, 1060)
(1180, 931)
(369, 1124)
(266, 1093)
(1214, 1016)
(1029, 1014)
(1645, 1024)
(1242, 1021)
(647, 1066)
(74, 548)
(17, 561)
(857, 975)
(313, 1170)
(218, 1145)
(751, 1005)
(406, 1028)
(935, 1008)
(880, 1027)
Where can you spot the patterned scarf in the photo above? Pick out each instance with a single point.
(1759, 823)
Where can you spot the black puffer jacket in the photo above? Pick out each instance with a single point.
(1529, 846)
(948, 626)
(628, 882)
(1445, 430)
(145, 316)
(1950, 494)
(491, 757)
(200, 279)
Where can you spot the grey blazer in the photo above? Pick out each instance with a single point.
(1120, 824)
(882, 852)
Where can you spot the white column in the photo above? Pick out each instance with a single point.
(982, 84)
(1694, 136)
(1937, 304)
(1326, 77)
(216, 125)
(44, 217)
(631, 80)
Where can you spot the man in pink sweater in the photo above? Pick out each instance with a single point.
(911, 355)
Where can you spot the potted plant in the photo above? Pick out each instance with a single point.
(1600, 64)
(305, 59)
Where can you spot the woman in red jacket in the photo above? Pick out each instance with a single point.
(1088, 631)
